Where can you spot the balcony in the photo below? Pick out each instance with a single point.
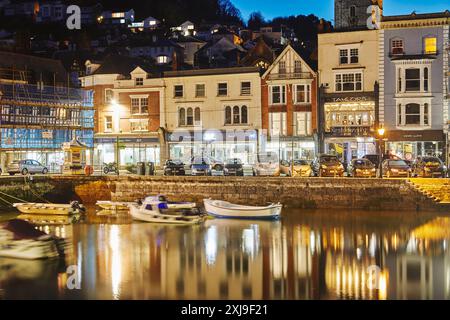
(351, 131)
(290, 75)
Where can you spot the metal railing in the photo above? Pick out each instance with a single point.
(291, 75)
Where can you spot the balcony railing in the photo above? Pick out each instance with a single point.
(291, 75)
(353, 131)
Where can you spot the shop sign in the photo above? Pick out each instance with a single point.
(349, 99)
(47, 134)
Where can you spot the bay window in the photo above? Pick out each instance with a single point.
(278, 123)
(348, 81)
(302, 93)
(302, 123)
(413, 114)
(412, 79)
(278, 94)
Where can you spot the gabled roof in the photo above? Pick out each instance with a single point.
(261, 51)
(282, 54)
(124, 65)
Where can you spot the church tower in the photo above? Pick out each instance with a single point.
(352, 14)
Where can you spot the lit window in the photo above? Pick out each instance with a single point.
(278, 124)
(162, 59)
(430, 45)
(109, 94)
(302, 122)
(108, 124)
(138, 125)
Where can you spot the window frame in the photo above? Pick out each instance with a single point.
(175, 91)
(141, 120)
(219, 94)
(355, 82)
(106, 130)
(282, 121)
(246, 91)
(282, 93)
(197, 85)
(139, 82)
(306, 93)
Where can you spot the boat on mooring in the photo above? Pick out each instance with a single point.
(224, 209)
(157, 209)
(114, 205)
(50, 208)
(20, 239)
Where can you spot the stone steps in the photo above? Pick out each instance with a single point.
(436, 189)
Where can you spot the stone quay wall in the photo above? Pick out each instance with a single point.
(311, 193)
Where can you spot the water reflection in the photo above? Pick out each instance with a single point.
(307, 255)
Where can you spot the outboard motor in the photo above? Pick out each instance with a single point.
(77, 206)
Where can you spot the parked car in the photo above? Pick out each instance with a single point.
(233, 167)
(429, 167)
(174, 168)
(302, 168)
(326, 165)
(396, 168)
(363, 168)
(26, 167)
(374, 158)
(267, 164)
(200, 166)
(217, 167)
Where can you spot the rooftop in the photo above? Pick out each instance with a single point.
(206, 72)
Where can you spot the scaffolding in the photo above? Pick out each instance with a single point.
(40, 118)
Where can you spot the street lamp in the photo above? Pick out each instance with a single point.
(381, 131)
(116, 112)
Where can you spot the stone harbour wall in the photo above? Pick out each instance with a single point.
(311, 193)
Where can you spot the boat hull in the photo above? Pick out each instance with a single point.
(219, 209)
(154, 217)
(46, 209)
(116, 206)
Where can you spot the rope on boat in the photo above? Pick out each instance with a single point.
(6, 201)
(12, 197)
(34, 193)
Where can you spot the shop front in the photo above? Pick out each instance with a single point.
(349, 125)
(219, 145)
(129, 150)
(289, 148)
(409, 145)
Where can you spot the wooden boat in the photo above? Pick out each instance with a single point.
(20, 239)
(224, 209)
(156, 210)
(50, 208)
(114, 205)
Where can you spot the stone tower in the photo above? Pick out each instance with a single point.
(352, 14)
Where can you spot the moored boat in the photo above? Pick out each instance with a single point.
(20, 239)
(224, 209)
(50, 208)
(114, 205)
(156, 210)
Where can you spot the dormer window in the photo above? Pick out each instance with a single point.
(162, 59)
(139, 81)
(397, 47)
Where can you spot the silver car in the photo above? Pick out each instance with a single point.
(26, 167)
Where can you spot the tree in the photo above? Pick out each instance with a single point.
(256, 21)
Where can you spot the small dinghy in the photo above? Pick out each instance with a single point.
(50, 208)
(224, 209)
(114, 205)
(20, 239)
(156, 209)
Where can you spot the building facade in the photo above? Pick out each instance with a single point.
(214, 113)
(348, 102)
(40, 110)
(128, 103)
(414, 84)
(289, 107)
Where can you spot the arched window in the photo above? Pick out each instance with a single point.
(244, 118)
(352, 11)
(236, 115)
(190, 117)
(412, 114)
(227, 115)
(197, 114)
(181, 117)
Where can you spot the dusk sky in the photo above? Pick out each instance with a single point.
(324, 8)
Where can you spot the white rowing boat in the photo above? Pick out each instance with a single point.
(224, 209)
(156, 210)
(50, 208)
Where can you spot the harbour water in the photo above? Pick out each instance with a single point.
(305, 255)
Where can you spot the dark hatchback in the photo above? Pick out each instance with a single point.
(431, 167)
(200, 166)
(174, 168)
(233, 167)
(363, 168)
